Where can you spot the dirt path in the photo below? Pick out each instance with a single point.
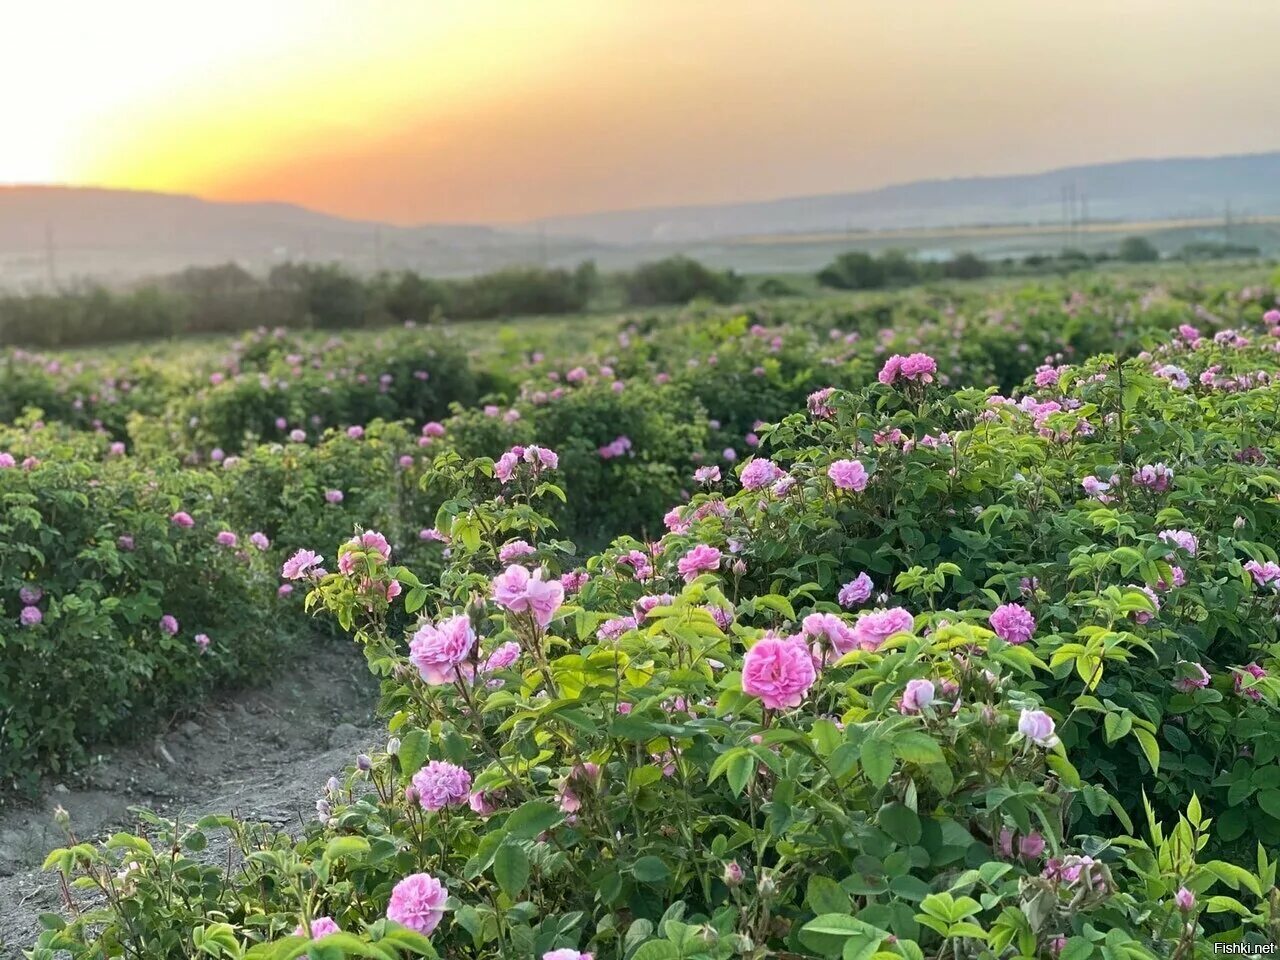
(261, 754)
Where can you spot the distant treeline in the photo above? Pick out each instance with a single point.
(858, 270)
(229, 299)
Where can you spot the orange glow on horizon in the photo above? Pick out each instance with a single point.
(491, 111)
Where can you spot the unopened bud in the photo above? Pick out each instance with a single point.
(732, 874)
(393, 746)
(768, 886)
(363, 763)
(334, 785)
(61, 817)
(323, 810)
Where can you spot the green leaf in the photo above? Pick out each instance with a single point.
(414, 747)
(1077, 948)
(900, 822)
(532, 818)
(1149, 747)
(650, 870)
(824, 895)
(877, 761)
(916, 747)
(1269, 801)
(657, 950)
(511, 868)
(828, 933)
(340, 847)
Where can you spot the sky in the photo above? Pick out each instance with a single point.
(415, 111)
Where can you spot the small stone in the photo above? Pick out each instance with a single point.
(191, 729)
(61, 788)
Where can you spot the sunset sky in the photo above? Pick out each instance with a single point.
(502, 110)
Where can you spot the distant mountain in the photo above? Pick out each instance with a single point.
(121, 235)
(1130, 190)
(66, 233)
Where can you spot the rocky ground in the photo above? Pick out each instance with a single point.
(260, 754)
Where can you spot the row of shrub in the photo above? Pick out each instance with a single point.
(935, 674)
(275, 431)
(230, 299)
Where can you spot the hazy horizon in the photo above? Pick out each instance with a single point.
(498, 112)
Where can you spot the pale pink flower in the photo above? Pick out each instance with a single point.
(320, 927)
(440, 784)
(848, 475)
(417, 902)
(917, 695)
(437, 650)
(302, 564)
(874, 628)
(518, 590)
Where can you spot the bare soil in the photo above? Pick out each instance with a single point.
(260, 754)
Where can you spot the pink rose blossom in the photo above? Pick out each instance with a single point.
(874, 628)
(438, 650)
(320, 927)
(302, 564)
(1013, 623)
(518, 590)
(1037, 727)
(856, 591)
(441, 784)
(848, 475)
(701, 559)
(779, 672)
(417, 902)
(1254, 671)
(918, 695)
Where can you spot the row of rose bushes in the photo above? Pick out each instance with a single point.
(744, 368)
(950, 675)
(310, 489)
(131, 589)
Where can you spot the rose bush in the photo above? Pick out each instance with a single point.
(690, 747)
